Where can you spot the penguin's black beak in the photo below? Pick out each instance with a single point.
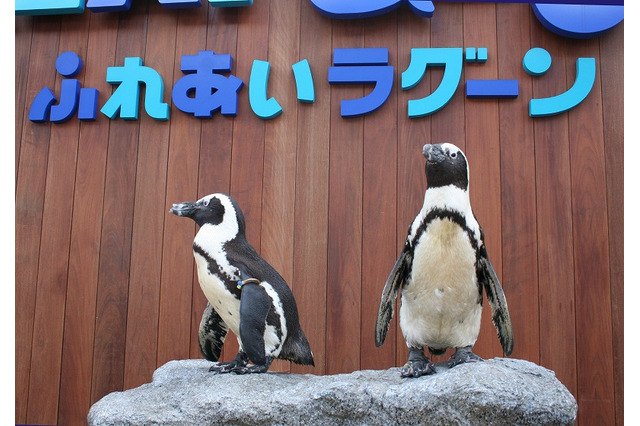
(432, 153)
(184, 209)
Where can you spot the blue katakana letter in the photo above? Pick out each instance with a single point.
(72, 97)
(263, 107)
(491, 89)
(362, 66)
(537, 61)
(209, 91)
(421, 58)
(485, 89)
(126, 98)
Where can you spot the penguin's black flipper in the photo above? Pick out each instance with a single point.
(254, 307)
(495, 295)
(212, 333)
(395, 280)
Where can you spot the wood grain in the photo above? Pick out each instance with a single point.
(84, 255)
(555, 226)
(30, 191)
(148, 214)
(380, 150)
(345, 218)
(117, 225)
(312, 191)
(48, 327)
(517, 157)
(24, 30)
(611, 65)
(591, 250)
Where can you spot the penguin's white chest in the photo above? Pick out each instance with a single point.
(222, 300)
(440, 306)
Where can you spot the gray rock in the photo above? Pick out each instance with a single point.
(495, 392)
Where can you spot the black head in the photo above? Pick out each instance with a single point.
(214, 209)
(446, 165)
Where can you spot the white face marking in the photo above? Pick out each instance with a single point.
(211, 238)
(449, 147)
(453, 151)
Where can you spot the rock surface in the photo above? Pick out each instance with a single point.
(497, 391)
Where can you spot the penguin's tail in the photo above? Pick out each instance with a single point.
(435, 351)
(296, 349)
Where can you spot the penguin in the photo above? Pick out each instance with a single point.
(442, 271)
(245, 294)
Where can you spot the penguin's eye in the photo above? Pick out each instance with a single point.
(205, 203)
(453, 154)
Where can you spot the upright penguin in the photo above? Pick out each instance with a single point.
(244, 293)
(442, 270)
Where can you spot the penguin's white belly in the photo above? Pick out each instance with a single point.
(222, 301)
(228, 307)
(440, 306)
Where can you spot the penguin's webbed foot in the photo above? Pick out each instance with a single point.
(250, 368)
(463, 355)
(239, 362)
(225, 367)
(417, 365)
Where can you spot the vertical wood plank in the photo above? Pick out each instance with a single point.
(483, 154)
(23, 34)
(591, 248)
(248, 136)
(345, 219)
(214, 170)
(519, 247)
(182, 185)
(380, 147)
(117, 223)
(48, 327)
(312, 189)
(30, 193)
(447, 125)
(278, 182)
(611, 63)
(148, 213)
(247, 161)
(80, 308)
(555, 241)
(413, 32)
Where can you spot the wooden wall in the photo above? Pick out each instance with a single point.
(105, 290)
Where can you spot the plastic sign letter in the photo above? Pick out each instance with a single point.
(126, 98)
(421, 58)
